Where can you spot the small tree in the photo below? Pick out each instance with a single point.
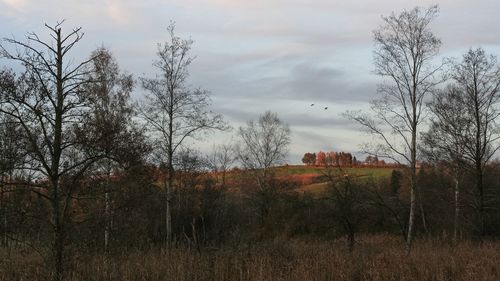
(321, 159)
(350, 204)
(309, 158)
(173, 111)
(11, 160)
(263, 145)
(220, 161)
(110, 129)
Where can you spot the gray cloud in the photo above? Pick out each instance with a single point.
(279, 80)
(309, 120)
(256, 55)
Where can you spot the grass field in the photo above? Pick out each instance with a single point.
(312, 180)
(374, 258)
(376, 172)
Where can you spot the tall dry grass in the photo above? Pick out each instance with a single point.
(375, 258)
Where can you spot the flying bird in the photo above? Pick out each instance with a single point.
(312, 104)
(326, 108)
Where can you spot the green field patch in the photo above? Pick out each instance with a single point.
(376, 172)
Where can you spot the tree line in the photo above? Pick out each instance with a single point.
(343, 159)
(329, 158)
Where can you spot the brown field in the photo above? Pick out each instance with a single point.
(374, 258)
(312, 179)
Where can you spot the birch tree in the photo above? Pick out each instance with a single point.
(111, 130)
(469, 118)
(173, 111)
(405, 50)
(443, 143)
(263, 145)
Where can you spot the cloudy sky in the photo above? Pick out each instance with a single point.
(257, 55)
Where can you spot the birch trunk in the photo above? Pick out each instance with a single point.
(457, 209)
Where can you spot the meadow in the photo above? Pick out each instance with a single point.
(376, 257)
(314, 179)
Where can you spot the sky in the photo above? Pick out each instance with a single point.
(258, 55)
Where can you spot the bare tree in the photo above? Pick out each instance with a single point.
(350, 204)
(11, 160)
(263, 145)
(404, 54)
(173, 111)
(443, 143)
(110, 127)
(48, 102)
(466, 118)
(221, 160)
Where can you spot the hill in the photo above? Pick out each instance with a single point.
(314, 179)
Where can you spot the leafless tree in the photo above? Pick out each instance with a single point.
(11, 160)
(173, 111)
(221, 160)
(48, 102)
(264, 144)
(404, 52)
(443, 143)
(110, 127)
(350, 202)
(466, 118)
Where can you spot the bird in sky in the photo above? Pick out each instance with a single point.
(312, 104)
(326, 108)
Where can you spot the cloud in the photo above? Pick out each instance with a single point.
(15, 4)
(117, 12)
(280, 55)
(309, 81)
(310, 119)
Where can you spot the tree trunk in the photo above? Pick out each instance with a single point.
(5, 240)
(59, 248)
(224, 178)
(3, 212)
(480, 189)
(411, 218)
(58, 244)
(170, 167)
(168, 218)
(413, 178)
(351, 241)
(421, 207)
(107, 210)
(107, 227)
(55, 165)
(457, 209)
(195, 235)
(168, 203)
(350, 234)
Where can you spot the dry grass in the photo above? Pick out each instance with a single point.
(375, 172)
(317, 189)
(375, 258)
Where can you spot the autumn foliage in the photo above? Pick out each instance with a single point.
(331, 158)
(342, 159)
